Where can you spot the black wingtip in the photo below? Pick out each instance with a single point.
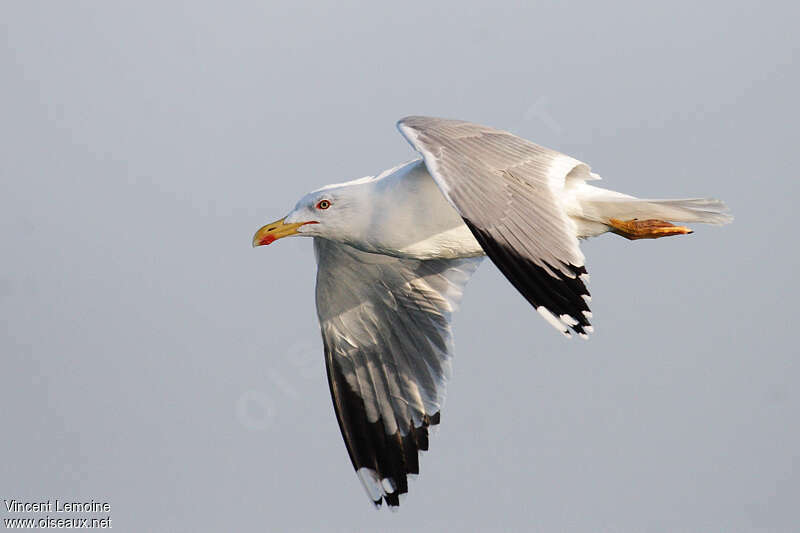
(389, 456)
(551, 289)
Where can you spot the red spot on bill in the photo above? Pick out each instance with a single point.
(267, 239)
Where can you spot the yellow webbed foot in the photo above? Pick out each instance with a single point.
(646, 229)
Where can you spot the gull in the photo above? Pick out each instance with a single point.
(394, 252)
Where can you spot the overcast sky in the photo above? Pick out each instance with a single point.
(149, 357)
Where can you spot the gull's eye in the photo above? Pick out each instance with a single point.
(323, 204)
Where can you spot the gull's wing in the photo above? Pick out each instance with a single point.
(388, 346)
(509, 192)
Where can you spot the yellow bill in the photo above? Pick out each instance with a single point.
(276, 230)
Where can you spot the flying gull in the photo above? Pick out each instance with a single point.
(394, 253)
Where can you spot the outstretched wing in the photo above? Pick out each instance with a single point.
(509, 192)
(388, 347)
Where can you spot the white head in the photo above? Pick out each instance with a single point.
(336, 212)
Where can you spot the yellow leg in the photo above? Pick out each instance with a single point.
(646, 229)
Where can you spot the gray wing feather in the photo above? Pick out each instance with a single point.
(509, 192)
(385, 325)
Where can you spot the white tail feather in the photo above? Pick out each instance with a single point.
(595, 206)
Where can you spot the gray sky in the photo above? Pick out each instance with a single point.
(152, 359)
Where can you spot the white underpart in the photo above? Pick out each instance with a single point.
(449, 242)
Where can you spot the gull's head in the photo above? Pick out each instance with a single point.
(332, 212)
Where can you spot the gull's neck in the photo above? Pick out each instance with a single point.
(409, 217)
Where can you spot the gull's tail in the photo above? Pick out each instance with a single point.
(601, 210)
